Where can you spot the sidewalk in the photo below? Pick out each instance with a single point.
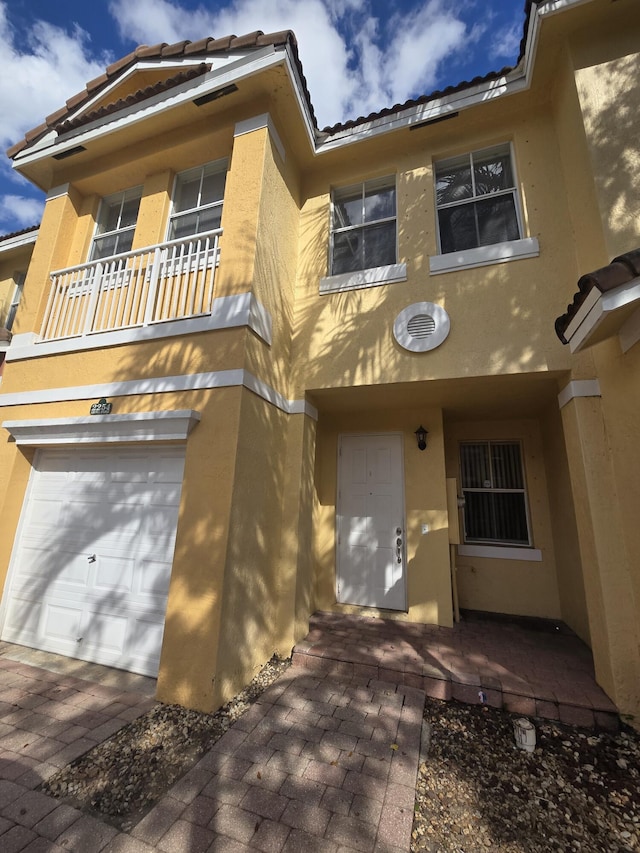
(319, 763)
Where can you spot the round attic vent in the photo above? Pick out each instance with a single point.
(421, 327)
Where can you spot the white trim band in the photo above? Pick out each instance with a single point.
(9, 243)
(578, 388)
(498, 253)
(228, 312)
(373, 277)
(163, 385)
(257, 123)
(602, 315)
(494, 552)
(172, 425)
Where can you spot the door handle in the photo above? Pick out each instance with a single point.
(399, 549)
(91, 558)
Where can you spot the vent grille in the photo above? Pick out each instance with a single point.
(421, 326)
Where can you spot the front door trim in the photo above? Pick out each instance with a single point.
(402, 605)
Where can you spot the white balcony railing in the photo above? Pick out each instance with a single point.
(170, 281)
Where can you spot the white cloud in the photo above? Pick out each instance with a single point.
(20, 212)
(506, 43)
(354, 62)
(50, 66)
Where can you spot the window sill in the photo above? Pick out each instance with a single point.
(498, 253)
(497, 552)
(373, 277)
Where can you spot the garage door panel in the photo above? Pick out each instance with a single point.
(56, 462)
(62, 622)
(47, 511)
(157, 522)
(114, 574)
(40, 570)
(26, 620)
(105, 631)
(170, 471)
(121, 506)
(153, 579)
(146, 635)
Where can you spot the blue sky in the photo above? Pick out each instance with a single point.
(358, 55)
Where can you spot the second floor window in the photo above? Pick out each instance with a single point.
(117, 219)
(476, 200)
(18, 279)
(197, 200)
(363, 226)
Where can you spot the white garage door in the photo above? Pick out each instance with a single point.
(91, 566)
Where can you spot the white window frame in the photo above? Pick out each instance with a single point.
(12, 310)
(386, 182)
(106, 203)
(482, 255)
(494, 544)
(212, 167)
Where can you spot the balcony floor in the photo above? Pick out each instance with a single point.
(531, 667)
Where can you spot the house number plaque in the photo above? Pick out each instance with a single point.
(100, 408)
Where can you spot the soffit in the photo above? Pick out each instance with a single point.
(151, 143)
(470, 398)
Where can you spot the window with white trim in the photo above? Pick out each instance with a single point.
(363, 226)
(197, 200)
(476, 200)
(18, 279)
(117, 219)
(492, 479)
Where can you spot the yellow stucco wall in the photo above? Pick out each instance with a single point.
(608, 89)
(527, 588)
(573, 605)
(607, 569)
(276, 257)
(253, 581)
(499, 313)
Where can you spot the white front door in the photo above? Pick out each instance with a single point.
(91, 565)
(370, 560)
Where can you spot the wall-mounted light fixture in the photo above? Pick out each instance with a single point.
(421, 437)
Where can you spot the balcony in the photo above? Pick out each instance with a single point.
(157, 284)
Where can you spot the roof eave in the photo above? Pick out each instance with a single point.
(603, 315)
(233, 72)
(19, 239)
(464, 97)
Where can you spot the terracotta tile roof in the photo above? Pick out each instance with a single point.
(621, 270)
(441, 93)
(414, 102)
(130, 100)
(18, 233)
(205, 48)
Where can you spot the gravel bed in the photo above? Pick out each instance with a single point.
(578, 791)
(122, 778)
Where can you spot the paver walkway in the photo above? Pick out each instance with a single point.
(318, 763)
(324, 762)
(532, 667)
